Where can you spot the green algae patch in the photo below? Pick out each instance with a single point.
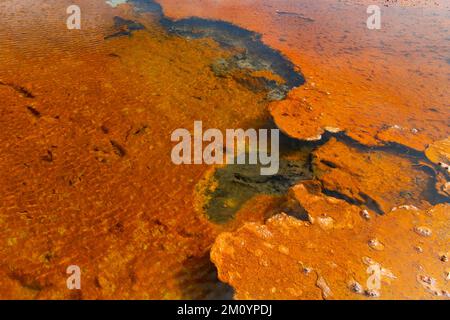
(227, 188)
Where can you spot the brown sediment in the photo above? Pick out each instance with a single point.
(286, 258)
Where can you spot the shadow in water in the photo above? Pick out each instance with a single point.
(198, 280)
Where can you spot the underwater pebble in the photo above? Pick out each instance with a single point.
(365, 214)
(423, 231)
(418, 249)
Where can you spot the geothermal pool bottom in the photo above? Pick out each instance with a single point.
(87, 177)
